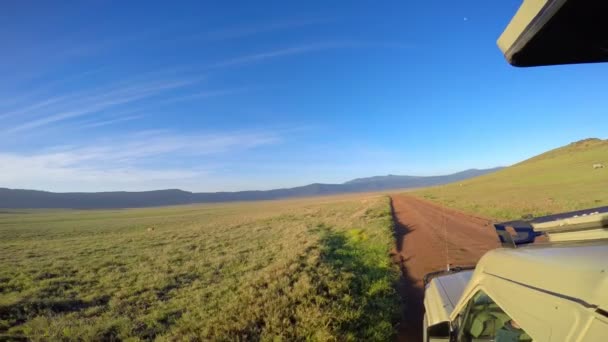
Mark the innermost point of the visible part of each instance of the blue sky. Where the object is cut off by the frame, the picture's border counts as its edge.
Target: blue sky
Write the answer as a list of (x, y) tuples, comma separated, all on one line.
[(203, 96)]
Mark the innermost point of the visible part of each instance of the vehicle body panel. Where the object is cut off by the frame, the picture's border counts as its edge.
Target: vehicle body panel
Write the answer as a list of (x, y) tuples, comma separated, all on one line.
[(574, 270), (442, 295), (555, 292)]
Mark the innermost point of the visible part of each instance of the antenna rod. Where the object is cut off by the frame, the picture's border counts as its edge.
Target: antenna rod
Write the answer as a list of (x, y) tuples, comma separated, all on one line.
[(445, 231)]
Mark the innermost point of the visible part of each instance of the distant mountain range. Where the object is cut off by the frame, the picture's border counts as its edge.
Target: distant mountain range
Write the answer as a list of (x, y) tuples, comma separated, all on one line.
[(18, 198)]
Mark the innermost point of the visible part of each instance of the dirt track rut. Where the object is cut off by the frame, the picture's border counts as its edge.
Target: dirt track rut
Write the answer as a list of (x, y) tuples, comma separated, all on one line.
[(420, 232)]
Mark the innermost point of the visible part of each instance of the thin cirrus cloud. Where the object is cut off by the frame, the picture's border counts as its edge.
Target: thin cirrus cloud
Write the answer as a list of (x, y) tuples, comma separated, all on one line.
[(36, 106), (302, 49), (258, 57), (242, 32), (132, 162), (69, 107), (154, 144), (75, 45), (110, 121), (188, 97), (48, 87), (58, 173), (204, 94), (80, 85), (65, 107)]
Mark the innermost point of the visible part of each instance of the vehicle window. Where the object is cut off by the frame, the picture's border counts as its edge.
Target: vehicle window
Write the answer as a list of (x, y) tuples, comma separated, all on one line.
[(484, 320)]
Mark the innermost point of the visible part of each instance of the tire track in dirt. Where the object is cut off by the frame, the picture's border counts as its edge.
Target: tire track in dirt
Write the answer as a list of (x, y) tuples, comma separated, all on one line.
[(420, 234)]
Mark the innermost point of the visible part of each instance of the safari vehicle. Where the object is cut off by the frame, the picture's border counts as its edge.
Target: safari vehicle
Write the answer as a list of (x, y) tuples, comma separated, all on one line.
[(551, 291), (526, 291)]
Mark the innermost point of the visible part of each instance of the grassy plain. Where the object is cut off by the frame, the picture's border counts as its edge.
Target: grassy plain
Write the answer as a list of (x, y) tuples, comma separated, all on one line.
[(560, 180), (313, 269)]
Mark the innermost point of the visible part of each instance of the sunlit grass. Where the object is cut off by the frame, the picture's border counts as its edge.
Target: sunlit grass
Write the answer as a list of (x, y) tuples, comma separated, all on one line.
[(315, 269), (560, 180)]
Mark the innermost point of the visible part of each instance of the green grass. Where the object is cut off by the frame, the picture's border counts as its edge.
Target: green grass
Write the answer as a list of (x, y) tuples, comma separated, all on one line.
[(315, 269), (559, 180)]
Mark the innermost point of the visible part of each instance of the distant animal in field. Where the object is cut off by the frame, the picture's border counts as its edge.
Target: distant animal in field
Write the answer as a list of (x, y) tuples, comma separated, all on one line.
[(150, 229), (598, 166)]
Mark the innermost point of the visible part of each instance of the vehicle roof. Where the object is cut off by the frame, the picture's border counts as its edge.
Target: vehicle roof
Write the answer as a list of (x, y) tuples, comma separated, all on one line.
[(574, 271), (546, 32)]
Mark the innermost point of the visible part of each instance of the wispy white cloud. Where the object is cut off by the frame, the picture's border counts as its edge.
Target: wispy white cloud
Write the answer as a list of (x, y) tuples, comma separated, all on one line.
[(72, 106), (60, 172), (302, 49), (93, 47), (133, 162), (23, 66), (40, 113), (110, 121), (242, 32), (36, 106), (253, 58), (205, 94), (139, 146), (38, 90)]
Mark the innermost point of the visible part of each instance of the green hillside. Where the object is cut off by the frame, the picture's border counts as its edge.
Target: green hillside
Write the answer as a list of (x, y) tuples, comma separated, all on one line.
[(562, 179)]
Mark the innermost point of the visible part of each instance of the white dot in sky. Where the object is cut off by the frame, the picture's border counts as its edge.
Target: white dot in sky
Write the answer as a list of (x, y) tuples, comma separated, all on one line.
[(465, 18)]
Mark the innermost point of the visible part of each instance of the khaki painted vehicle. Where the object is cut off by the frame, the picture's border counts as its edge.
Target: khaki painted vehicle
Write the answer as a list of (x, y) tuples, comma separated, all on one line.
[(557, 289)]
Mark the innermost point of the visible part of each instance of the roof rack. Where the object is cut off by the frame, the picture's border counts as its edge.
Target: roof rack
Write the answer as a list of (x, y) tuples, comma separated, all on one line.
[(588, 224)]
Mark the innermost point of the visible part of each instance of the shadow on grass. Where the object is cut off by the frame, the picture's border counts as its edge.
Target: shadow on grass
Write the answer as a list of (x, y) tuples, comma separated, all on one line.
[(412, 295), (369, 298), (25, 309)]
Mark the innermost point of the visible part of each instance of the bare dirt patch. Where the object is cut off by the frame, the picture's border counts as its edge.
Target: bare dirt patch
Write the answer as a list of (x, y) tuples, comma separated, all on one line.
[(420, 232)]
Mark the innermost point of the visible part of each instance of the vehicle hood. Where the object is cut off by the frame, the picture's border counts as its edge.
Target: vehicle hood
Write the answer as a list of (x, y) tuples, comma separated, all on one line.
[(441, 295)]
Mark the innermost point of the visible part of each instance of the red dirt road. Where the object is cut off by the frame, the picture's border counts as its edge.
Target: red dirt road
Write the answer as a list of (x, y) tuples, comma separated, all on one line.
[(420, 233)]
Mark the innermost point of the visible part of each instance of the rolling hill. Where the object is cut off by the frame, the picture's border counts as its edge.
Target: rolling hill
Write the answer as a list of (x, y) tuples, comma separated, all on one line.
[(559, 180), (396, 182), (18, 198)]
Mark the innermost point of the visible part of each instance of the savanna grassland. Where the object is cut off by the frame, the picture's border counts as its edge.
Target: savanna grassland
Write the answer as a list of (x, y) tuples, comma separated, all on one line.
[(560, 180), (313, 269)]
